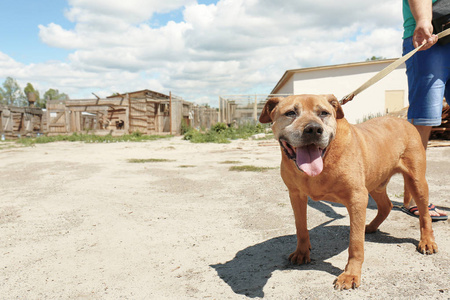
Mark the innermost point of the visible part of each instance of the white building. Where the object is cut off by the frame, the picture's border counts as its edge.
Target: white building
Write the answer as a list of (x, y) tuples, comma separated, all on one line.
[(387, 95)]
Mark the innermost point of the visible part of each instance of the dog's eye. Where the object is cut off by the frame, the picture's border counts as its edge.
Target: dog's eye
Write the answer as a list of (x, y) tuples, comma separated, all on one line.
[(324, 113), (290, 113)]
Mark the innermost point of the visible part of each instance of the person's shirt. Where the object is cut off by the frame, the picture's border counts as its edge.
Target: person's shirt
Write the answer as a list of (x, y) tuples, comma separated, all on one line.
[(409, 24)]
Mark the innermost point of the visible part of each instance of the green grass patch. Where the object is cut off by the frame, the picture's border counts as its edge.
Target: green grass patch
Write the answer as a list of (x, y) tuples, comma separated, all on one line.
[(147, 160), (186, 166), (249, 168), (401, 195), (368, 117), (230, 162), (269, 136), (222, 134), (91, 138), (8, 145)]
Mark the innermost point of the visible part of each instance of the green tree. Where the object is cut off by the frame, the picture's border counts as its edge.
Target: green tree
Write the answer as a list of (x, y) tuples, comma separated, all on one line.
[(41, 102), (375, 58), (12, 94), (53, 94), (30, 89)]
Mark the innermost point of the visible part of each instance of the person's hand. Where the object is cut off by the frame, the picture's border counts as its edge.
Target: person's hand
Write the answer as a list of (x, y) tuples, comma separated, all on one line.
[(423, 34)]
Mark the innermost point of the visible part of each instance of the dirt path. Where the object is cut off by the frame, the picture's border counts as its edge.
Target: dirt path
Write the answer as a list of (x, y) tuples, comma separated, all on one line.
[(80, 221)]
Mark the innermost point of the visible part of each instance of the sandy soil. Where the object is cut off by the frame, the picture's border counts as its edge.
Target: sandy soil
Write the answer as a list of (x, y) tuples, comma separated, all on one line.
[(80, 221)]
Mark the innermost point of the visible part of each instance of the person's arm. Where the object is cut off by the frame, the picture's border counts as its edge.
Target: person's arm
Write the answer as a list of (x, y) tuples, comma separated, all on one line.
[(423, 13)]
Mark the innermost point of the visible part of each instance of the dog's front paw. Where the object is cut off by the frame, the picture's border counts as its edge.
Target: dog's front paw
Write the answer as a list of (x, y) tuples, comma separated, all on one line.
[(347, 281), (427, 247), (300, 256)]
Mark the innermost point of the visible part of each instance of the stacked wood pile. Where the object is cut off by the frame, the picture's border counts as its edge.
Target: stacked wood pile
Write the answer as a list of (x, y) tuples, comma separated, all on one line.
[(442, 132)]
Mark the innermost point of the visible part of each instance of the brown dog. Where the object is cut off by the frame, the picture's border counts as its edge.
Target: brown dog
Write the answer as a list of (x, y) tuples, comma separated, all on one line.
[(326, 158)]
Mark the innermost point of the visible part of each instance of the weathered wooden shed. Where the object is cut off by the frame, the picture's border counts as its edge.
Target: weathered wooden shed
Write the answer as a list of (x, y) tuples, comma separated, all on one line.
[(145, 111), (149, 111)]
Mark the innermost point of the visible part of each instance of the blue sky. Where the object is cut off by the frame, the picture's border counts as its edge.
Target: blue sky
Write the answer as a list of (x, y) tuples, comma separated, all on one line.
[(20, 20), (196, 49)]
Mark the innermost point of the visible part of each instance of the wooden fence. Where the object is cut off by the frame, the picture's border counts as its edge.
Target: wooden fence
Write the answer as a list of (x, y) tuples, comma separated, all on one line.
[(243, 108), (117, 116), (122, 115), (20, 121)]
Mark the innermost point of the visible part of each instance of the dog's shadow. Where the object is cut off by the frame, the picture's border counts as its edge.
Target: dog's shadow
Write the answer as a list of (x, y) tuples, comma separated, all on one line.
[(248, 272)]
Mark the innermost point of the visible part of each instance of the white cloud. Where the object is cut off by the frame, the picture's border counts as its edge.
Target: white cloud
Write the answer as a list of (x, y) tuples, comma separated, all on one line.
[(131, 11), (229, 47), (7, 65)]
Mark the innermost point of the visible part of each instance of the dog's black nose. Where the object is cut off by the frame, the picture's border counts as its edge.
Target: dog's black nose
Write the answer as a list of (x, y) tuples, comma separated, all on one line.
[(313, 129)]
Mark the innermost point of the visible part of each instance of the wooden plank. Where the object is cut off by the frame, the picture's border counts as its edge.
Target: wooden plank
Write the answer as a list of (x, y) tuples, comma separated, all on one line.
[(67, 119), (78, 121), (73, 126), (128, 112), (440, 129), (139, 119), (95, 102), (127, 123), (438, 143), (41, 124), (137, 110), (20, 128), (58, 117), (89, 108), (48, 121)]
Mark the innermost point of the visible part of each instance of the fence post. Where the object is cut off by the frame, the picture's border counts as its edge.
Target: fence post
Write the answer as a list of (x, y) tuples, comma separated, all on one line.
[(128, 115), (255, 109), (220, 108), (170, 112)]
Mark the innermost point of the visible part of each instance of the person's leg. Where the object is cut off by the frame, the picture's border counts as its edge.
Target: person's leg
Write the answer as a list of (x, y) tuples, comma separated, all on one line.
[(424, 132), (427, 77)]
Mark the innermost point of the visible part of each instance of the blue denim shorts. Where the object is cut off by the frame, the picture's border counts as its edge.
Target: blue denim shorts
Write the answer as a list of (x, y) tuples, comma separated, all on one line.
[(428, 83)]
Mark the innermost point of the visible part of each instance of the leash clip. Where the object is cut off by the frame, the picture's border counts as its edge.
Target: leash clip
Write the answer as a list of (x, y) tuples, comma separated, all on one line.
[(347, 98)]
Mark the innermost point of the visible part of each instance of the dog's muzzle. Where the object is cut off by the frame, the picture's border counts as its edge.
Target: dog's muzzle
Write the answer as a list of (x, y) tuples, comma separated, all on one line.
[(308, 156), (308, 159)]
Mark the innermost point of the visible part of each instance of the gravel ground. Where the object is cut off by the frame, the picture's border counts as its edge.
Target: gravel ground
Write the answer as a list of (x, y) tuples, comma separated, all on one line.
[(80, 221)]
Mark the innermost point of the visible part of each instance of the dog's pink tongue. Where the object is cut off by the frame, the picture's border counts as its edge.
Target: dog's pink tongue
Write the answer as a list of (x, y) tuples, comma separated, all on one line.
[(309, 160)]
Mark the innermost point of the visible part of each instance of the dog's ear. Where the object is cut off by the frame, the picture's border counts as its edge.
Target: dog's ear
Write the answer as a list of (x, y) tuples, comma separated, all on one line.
[(266, 113), (337, 106)]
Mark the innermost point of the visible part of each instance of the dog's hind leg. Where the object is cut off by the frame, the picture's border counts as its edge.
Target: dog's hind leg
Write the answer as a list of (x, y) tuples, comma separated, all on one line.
[(384, 206), (418, 187), (407, 196), (413, 170)]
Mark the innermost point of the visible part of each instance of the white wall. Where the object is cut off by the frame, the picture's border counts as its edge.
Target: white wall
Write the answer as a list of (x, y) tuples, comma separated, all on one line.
[(341, 81), (288, 87)]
